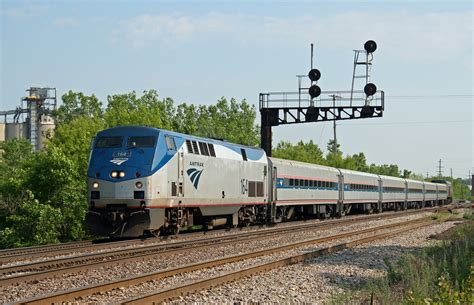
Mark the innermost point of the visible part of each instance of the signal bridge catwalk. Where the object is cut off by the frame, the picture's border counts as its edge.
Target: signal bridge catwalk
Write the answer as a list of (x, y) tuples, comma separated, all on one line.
[(282, 108)]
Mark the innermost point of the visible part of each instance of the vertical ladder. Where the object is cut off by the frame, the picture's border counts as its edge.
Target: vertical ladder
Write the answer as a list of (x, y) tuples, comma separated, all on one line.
[(367, 62), (34, 124)]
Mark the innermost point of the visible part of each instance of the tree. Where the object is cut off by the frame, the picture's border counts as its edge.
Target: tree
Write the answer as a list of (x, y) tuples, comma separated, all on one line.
[(304, 152), (77, 104), (74, 139), (146, 110), (334, 156)]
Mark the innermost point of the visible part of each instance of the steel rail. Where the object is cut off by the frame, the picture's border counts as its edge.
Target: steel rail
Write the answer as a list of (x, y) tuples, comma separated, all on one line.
[(172, 293), (17, 254), (51, 268), (89, 290), (5, 253), (42, 269)]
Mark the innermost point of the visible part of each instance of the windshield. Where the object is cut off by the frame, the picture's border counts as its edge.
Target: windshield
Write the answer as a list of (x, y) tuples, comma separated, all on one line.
[(109, 142), (148, 141)]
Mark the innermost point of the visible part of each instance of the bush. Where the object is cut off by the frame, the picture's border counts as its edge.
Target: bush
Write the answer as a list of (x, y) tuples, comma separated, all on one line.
[(442, 274), (32, 224)]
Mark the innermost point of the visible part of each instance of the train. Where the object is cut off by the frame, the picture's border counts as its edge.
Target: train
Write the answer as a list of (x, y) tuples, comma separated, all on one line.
[(149, 181)]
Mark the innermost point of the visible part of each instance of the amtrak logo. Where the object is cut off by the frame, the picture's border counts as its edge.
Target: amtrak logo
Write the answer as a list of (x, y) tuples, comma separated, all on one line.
[(194, 174), (119, 161)]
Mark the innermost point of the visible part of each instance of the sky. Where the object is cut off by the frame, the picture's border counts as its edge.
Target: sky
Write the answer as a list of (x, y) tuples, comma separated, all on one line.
[(199, 51)]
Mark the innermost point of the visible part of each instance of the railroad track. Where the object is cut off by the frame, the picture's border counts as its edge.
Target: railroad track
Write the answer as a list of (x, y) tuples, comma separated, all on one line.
[(30, 253), (59, 266), (7, 255), (374, 233)]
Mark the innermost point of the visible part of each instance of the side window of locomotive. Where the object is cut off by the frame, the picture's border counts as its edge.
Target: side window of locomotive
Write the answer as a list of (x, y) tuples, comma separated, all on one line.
[(189, 146), (141, 141), (252, 189), (109, 142), (204, 149), (195, 148), (212, 152), (244, 154), (285, 182), (170, 144), (292, 182), (259, 189)]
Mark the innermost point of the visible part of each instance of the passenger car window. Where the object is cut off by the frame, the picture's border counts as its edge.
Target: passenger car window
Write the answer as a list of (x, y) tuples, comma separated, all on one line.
[(109, 142), (141, 141)]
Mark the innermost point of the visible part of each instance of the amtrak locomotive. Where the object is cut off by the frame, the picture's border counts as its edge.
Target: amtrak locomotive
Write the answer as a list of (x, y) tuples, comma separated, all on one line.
[(144, 180)]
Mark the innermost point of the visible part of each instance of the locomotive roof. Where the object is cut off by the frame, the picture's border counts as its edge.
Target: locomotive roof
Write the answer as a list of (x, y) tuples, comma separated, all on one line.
[(117, 130)]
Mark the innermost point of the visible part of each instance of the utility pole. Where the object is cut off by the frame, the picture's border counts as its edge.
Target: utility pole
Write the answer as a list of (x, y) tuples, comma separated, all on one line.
[(451, 173), (469, 179), (334, 122), (439, 168)]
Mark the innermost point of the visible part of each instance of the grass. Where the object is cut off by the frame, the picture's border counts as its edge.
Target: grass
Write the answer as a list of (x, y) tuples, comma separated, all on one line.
[(441, 274)]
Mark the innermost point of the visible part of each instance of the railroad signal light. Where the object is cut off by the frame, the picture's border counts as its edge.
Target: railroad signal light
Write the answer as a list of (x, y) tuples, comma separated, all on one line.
[(314, 75), (367, 112), (370, 46), (314, 91), (312, 114), (370, 89)]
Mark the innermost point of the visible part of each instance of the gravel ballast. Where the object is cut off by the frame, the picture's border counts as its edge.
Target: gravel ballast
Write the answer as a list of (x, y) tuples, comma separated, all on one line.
[(318, 280), (12, 293)]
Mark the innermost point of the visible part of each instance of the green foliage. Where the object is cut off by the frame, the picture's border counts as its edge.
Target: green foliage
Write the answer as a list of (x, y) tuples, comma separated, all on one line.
[(74, 139), (461, 190), (232, 121), (442, 274), (304, 152), (42, 198), (78, 105), (311, 153), (146, 110)]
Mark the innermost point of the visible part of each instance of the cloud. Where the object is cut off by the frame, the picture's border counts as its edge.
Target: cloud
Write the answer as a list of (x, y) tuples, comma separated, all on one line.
[(65, 22), (405, 35)]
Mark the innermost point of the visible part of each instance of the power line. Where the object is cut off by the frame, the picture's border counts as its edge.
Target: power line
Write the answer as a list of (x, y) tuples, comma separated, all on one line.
[(432, 96), (411, 123)]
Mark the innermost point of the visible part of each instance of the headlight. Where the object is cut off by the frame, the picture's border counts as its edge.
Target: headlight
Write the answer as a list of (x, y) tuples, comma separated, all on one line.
[(139, 185), (95, 185), (122, 174), (114, 174)]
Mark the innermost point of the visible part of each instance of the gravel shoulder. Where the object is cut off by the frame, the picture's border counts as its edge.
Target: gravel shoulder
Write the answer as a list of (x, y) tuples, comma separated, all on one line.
[(318, 280)]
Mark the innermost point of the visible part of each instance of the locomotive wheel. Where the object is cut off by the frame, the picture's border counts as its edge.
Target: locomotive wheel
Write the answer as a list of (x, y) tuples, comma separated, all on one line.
[(173, 230), (155, 233)]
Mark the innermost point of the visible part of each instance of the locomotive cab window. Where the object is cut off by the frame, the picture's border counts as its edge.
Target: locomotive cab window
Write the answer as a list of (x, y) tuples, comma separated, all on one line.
[(109, 142), (244, 154), (170, 143), (141, 141)]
